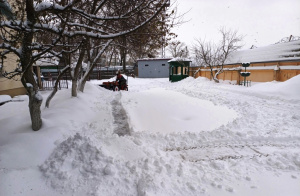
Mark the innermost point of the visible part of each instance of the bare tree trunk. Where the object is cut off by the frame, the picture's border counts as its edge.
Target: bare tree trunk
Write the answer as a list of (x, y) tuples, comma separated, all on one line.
[(35, 98), (111, 56), (91, 67), (212, 75), (75, 75), (28, 81), (123, 53), (35, 102), (218, 73), (74, 87), (82, 84), (56, 86)]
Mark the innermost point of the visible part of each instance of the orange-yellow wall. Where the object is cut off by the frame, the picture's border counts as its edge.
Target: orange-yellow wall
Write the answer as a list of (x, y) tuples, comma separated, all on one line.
[(14, 86), (260, 75)]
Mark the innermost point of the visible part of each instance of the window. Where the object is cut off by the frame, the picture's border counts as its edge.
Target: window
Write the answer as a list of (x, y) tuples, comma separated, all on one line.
[(163, 64), (146, 65)]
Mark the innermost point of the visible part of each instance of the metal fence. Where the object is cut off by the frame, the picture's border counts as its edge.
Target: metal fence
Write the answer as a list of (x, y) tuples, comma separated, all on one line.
[(49, 83), (245, 83), (48, 80), (50, 76)]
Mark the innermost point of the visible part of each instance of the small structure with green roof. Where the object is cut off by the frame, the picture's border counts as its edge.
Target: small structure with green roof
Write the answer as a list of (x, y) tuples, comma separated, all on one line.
[(179, 69)]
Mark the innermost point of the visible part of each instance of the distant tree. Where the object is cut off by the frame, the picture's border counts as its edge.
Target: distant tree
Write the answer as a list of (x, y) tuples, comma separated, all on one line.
[(129, 18), (152, 40), (214, 55), (178, 49), (146, 41)]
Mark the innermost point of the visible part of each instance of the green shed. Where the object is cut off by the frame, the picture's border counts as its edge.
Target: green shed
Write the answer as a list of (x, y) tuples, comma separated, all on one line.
[(179, 69)]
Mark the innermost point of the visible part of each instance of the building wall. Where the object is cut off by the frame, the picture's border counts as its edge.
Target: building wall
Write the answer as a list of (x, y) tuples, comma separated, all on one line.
[(14, 86), (155, 68), (260, 72), (287, 74)]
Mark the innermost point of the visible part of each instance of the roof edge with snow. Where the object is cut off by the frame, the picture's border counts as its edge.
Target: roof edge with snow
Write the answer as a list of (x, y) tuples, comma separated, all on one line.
[(289, 51), (154, 59)]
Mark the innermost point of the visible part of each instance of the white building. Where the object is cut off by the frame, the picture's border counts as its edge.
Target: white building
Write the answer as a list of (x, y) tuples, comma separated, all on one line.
[(153, 68)]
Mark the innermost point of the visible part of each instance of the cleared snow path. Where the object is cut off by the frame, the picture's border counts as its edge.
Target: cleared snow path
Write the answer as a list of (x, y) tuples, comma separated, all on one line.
[(120, 117), (150, 111)]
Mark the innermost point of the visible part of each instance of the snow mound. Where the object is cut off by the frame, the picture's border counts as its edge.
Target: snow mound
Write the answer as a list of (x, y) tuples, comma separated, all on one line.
[(79, 167), (74, 163), (288, 89)]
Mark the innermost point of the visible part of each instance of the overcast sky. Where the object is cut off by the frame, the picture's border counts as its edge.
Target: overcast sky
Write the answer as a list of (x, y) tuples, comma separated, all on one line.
[(263, 22)]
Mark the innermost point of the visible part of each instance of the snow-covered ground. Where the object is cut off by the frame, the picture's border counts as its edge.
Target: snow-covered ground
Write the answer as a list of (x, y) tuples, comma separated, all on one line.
[(192, 137)]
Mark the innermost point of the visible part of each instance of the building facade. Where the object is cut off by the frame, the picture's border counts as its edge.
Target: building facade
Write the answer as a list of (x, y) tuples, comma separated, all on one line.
[(153, 68), (14, 86)]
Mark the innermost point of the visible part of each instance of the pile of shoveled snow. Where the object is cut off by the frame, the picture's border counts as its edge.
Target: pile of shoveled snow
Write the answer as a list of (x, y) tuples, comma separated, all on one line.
[(287, 90), (79, 167), (77, 163)]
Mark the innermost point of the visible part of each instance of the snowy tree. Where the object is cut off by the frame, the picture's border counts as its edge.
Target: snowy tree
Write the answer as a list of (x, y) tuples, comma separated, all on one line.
[(6, 10), (62, 19), (129, 17), (178, 49), (145, 41), (214, 55)]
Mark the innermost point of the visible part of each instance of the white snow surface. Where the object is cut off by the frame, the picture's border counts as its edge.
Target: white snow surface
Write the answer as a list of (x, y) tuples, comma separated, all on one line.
[(275, 52), (192, 137), (5, 98)]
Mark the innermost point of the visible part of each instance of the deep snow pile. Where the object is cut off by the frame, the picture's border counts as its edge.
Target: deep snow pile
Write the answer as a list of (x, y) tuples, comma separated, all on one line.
[(193, 137)]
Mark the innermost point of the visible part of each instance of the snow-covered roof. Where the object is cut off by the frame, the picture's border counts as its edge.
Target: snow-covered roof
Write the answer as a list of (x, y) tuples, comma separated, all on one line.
[(276, 52), (178, 59), (153, 59)]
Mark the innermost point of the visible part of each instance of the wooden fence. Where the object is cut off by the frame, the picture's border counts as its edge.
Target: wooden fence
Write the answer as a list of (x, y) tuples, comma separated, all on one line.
[(260, 72)]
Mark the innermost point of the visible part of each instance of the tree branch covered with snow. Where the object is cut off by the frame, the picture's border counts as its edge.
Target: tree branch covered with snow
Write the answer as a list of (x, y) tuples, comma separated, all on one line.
[(43, 27)]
